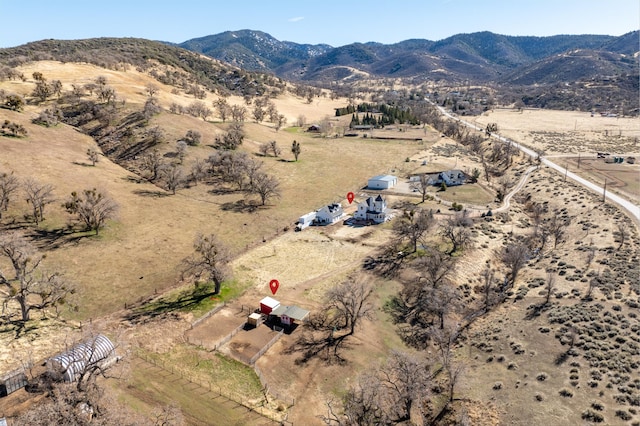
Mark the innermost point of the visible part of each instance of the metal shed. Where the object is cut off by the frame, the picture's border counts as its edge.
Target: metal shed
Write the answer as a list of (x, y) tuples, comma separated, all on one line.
[(12, 381), (382, 182), (97, 351)]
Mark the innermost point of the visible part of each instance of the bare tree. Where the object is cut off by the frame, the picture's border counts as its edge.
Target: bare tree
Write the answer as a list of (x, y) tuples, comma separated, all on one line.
[(31, 287), (488, 289), (264, 149), (456, 230), (153, 163), (258, 113), (39, 196), (392, 393), (421, 185), (223, 108), (9, 184), (413, 225), (210, 260), (435, 268), (514, 257), (266, 186), (233, 138), (622, 233), (198, 171), (93, 156), (280, 121), (557, 226), (151, 107), (173, 177), (193, 137), (155, 135), (275, 149), (351, 303), (295, 149), (593, 284), (181, 150), (238, 113), (151, 89), (549, 287), (92, 207)]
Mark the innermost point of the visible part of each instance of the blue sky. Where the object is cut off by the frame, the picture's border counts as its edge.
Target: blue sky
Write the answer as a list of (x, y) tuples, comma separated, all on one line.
[(327, 21)]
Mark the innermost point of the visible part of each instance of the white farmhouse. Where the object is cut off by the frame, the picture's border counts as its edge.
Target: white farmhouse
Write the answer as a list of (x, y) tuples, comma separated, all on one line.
[(330, 214), (371, 209), (382, 182)]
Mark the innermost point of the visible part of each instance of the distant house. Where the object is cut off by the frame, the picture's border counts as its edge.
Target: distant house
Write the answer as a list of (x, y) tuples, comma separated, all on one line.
[(314, 128), (382, 182), (371, 209), (329, 214), (449, 177)]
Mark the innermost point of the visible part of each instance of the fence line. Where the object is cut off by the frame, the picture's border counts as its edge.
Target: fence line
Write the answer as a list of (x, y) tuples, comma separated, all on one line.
[(227, 337), (219, 391), (287, 399), (208, 314), (266, 347)]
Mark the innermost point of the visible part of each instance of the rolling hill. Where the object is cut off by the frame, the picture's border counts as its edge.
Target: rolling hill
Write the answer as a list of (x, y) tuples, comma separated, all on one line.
[(480, 57)]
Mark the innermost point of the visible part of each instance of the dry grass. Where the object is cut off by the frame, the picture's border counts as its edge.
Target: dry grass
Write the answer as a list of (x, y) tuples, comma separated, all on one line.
[(139, 253)]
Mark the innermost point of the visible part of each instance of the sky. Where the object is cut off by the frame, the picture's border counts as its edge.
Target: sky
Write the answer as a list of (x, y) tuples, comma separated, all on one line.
[(332, 22)]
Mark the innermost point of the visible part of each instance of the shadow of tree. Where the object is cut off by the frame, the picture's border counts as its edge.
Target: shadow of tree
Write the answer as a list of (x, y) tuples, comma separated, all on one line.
[(320, 341), (240, 206), (56, 238), (153, 194), (168, 305)]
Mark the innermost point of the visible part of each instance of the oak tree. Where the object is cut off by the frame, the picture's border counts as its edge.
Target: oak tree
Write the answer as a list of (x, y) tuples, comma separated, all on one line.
[(210, 261), (92, 208), (28, 284), (39, 196)]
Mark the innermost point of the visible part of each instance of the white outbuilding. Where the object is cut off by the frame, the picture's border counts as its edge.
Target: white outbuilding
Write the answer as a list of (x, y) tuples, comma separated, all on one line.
[(382, 182)]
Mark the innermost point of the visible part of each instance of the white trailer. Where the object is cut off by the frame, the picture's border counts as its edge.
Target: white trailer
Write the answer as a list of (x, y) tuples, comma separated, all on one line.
[(305, 221)]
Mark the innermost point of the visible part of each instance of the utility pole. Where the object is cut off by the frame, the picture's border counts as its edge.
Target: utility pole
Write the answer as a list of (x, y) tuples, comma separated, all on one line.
[(566, 169), (604, 193), (578, 161)]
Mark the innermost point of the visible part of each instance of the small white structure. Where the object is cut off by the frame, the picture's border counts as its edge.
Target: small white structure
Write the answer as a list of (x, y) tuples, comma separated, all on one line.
[(305, 221), (382, 182), (254, 319), (268, 304), (96, 352), (371, 209), (330, 214)]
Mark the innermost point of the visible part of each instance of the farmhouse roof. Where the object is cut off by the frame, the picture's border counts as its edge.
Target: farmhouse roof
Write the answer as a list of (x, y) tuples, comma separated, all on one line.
[(294, 312), (270, 302), (387, 178)]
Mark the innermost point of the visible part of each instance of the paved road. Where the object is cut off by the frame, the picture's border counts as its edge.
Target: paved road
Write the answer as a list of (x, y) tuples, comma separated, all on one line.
[(633, 209)]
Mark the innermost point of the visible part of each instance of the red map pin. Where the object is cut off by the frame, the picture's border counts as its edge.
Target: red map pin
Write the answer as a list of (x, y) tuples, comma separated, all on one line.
[(273, 285), (350, 197)]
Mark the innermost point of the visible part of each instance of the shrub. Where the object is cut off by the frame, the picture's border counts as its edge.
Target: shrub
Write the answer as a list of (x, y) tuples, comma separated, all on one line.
[(598, 406), (623, 415), (497, 386), (592, 416), (542, 377), (566, 393)]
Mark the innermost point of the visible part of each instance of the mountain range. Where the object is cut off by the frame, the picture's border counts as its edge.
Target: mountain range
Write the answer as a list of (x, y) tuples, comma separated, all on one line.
[(478, 57)]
